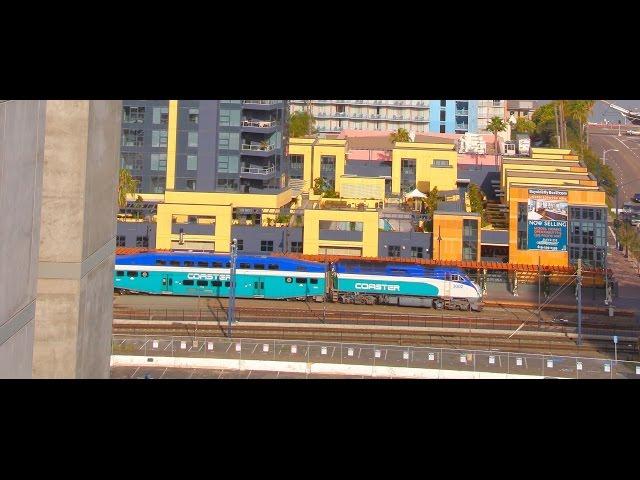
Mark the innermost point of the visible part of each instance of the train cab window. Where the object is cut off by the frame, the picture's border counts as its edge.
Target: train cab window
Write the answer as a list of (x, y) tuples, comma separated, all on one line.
[(258, 266), (245, 265), (216, 283), (301, 280), (160, 262), (187, 282), (301, 269), (188, 263), (216, 265), (273, 267), (174, 263), (313, 281), (227, 284), (455, 277), (202, 283), (132, 274), (120, 273), (203, 264)]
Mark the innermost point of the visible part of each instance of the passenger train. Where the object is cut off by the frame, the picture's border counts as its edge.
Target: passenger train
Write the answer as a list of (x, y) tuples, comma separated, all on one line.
[(272, 277)]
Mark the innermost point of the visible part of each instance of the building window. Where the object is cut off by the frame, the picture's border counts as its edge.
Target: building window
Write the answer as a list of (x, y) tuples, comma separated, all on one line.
[(120, 241), (159, 162), (192, 162), (159, 138), (229, 118), (497, 103), (132, 114), (228, 163), (132, 161), (470, 239), (393, 250), (191, 184), (229, 141), (142, 241), (194, 115), (158, 184), (440, 163), (443, 103), (443, 115), (160, 115), (522, 226), (407, 174), (296, 247), (296, 164), (240, 244), (132, 138), (192, 139), (416, 252), (227, 184), (443, 129), (266, 246)]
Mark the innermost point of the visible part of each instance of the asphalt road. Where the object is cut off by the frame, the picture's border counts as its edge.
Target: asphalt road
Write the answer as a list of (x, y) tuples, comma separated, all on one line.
[(625, 162)]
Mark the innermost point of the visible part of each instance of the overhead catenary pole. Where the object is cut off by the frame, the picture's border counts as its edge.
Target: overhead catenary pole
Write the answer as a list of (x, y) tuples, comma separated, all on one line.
[(232, 286)]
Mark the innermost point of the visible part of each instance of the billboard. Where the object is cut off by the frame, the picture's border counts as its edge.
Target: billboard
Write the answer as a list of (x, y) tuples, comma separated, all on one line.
[(547, 219)]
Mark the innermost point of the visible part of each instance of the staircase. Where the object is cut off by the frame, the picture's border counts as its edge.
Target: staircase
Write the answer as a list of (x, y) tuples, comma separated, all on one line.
[(498, 215), (296, 185)]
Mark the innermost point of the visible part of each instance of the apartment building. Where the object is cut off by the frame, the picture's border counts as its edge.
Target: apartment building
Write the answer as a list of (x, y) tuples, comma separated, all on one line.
[(421, 116)]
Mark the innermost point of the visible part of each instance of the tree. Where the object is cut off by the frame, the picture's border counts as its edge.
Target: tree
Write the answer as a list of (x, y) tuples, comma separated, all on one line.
[(400, 135), (496, 125), (432, 201), (476, 199), (301, 124), (320, 186), (628, 237), (524, 125), (126, 186)]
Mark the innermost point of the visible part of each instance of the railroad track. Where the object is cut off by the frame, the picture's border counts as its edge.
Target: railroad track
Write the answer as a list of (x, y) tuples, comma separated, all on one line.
[(543, 342), (342, 317)]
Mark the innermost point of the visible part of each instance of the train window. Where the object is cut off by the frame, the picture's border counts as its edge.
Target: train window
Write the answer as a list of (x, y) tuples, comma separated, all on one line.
[(301, 269), (216, 265), (216, 283), (132, 274), (145, 274), (187, 282), (455, 278), (120, 273), (174, 263), (313, 280), (188, 263), (244, 265), (160, 262), (227, 284), (164, 281), (258, 266), (301, 280), (170, 281), (273, 267), (203, 264), (228, 265), (202, 283)]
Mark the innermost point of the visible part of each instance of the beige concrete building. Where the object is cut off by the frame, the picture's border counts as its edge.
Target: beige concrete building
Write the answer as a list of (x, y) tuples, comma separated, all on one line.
[(58, 164)]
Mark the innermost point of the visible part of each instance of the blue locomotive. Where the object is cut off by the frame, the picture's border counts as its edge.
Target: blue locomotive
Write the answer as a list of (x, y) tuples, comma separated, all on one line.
[(273, 277)]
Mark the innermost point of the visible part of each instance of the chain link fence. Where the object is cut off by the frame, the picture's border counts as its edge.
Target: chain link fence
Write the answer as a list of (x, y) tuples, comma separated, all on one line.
[(319, 352)]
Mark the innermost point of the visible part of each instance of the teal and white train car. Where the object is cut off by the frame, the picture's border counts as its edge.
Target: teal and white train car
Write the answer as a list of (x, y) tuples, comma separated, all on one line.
[(405, 284), (207, 275)]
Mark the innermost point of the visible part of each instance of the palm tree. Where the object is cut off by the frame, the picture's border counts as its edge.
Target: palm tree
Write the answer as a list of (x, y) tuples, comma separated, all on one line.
[(496, 125), (401, 135), (301, 124), (127, 185), (579, 110)]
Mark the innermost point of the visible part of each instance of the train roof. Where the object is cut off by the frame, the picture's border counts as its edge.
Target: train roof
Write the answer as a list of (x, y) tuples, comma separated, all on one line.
[(150, 258), (398, 269)]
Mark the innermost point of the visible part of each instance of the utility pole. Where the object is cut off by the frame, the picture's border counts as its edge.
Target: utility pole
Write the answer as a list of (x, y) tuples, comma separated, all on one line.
[(539, 292), (557, 119), (579, 294), (231, 308)]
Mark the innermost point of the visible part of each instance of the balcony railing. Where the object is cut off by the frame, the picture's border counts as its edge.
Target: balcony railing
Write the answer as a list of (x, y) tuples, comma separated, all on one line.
[(258, 123), (462, 126), (462, 112), (264, 148), (261, 102), (259, 170)]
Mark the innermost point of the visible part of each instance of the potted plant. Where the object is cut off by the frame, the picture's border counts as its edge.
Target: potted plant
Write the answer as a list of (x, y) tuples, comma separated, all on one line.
[(264, 145)]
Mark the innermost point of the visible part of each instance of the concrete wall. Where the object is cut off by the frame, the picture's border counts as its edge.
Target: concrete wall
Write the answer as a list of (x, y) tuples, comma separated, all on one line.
[(22, 125), (77, 242)]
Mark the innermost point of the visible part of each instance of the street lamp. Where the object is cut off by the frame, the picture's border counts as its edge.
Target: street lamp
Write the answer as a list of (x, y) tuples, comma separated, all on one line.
[(604, 154)]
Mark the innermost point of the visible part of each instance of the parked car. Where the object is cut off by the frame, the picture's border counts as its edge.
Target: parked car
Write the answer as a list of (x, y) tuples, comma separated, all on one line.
[(636, 197)]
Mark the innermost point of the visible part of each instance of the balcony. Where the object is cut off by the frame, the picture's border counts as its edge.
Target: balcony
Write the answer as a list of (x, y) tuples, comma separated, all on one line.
[(257, 149), (341, 235), (262, 104), (259, 126), (462, 112), (258, 173)]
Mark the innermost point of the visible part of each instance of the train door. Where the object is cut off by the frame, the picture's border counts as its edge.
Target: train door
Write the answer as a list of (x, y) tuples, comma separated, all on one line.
[(167, 284), (258, 287)]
